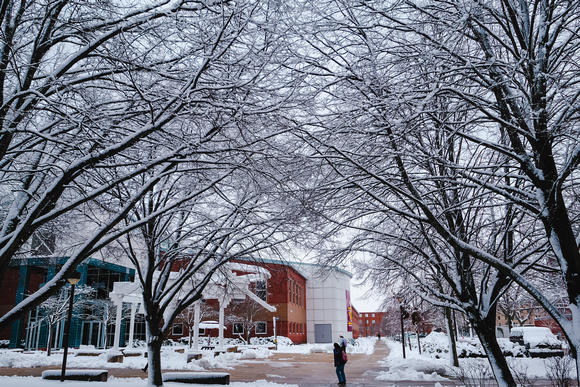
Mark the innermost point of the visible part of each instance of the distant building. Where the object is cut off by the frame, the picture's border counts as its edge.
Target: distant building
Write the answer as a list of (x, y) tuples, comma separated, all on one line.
[(532, 315), (355, 324), (313, 305), (25, 276), (371, 323)]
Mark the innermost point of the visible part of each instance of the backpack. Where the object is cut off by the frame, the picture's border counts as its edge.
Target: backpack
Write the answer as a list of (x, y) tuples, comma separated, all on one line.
[(344, 357)]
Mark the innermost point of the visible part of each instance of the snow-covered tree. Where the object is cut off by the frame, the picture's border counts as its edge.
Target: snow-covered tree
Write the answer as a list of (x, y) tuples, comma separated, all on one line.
[(54, 310), (187, 318), (449, 134), (103, 311), (246, 313), (99, 96)]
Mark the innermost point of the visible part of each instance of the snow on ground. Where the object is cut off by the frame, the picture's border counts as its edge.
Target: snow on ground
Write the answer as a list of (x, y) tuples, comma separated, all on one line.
[(431, 366), (14, 381), (434, 364)]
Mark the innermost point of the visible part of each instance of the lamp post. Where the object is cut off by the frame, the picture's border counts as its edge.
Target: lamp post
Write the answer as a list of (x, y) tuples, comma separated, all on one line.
[(401, 312), (73, 279), (274, 319)]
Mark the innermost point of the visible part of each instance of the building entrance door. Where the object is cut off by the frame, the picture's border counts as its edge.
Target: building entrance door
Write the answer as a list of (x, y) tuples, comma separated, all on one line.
[(323, 333)]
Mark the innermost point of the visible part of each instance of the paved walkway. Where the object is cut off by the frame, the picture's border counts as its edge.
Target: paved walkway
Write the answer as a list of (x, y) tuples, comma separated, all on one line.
[(315, 369), (311, 370)]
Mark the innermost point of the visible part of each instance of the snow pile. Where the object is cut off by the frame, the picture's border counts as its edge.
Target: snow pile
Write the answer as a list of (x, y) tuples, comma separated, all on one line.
[(28, 381), (255, 353), (434, 362), (413, 367), (364, 345), (436, 345), (282, 341)]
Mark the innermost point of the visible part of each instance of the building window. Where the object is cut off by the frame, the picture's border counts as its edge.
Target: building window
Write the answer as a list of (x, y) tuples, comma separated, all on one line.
[(238, 328), (262, 290), (260, 328), (372, 315), (177, 329)]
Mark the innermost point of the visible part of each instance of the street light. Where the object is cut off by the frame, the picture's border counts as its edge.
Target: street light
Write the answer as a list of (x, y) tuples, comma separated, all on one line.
[(401, 312), (274, 319), (73, 279)]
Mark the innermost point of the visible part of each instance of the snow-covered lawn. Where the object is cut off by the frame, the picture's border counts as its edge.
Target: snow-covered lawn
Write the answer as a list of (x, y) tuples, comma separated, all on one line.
[(431, 366), (434, 365)]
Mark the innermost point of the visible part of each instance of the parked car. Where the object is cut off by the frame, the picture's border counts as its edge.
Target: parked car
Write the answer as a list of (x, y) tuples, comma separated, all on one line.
[(538, 341)]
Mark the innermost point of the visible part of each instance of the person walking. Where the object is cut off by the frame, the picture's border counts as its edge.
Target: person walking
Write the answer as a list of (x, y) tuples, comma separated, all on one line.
[(340, 360), (342, 342)]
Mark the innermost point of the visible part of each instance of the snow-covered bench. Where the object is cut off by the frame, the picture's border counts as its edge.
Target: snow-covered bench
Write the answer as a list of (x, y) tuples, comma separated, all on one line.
[(193, 356), (85, 375), (197, 377), (129, 352)]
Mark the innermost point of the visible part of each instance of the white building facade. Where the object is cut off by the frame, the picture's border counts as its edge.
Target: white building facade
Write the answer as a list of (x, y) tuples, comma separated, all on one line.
[(328, 304)]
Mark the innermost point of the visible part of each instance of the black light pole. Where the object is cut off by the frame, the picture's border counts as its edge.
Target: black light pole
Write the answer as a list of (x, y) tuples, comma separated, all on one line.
[(73, 279), (401, 312)]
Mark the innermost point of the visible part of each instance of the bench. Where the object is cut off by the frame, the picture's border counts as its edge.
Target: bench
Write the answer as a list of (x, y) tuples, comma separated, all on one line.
[(132, 353), (82, 375), (114, 358), (197, 377), (193, 356), (81, 352), (207, 347)]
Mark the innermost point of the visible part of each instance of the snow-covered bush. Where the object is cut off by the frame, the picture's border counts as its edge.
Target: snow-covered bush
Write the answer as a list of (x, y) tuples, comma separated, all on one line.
[(282, 340), (474, 374), (560, 371), (511, 349), (436, 345)]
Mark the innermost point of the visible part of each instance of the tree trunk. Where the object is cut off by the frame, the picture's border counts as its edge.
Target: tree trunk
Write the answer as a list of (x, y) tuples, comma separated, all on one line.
[(49, 340), (154, 359), (418, 341), (485, 329), (454, 360)]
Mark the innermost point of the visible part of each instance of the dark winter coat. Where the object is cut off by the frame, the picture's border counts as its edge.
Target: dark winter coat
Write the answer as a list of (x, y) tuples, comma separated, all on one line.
[(338, 357)]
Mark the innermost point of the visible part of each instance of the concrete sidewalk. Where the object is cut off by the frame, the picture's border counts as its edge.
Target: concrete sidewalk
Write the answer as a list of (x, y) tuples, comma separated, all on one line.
[(315, 369)]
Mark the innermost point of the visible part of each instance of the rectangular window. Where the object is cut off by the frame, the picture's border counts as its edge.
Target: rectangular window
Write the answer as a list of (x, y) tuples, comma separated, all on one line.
[(238, 328), (177, 329), (261, 328), (262, 290)]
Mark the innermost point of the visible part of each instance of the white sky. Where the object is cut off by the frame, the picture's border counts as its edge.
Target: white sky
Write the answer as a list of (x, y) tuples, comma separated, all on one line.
[(361, 301)]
